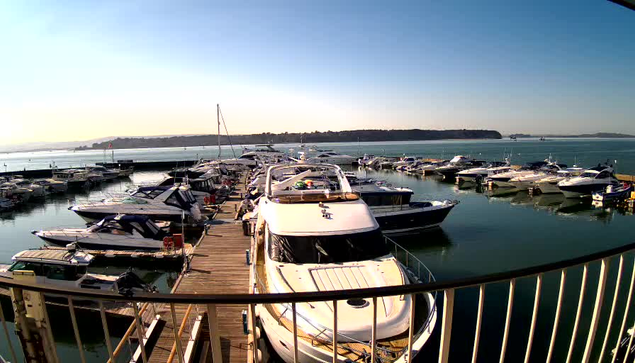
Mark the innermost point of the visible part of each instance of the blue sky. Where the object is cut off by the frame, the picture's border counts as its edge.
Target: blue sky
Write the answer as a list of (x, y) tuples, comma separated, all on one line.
[(74, 70)]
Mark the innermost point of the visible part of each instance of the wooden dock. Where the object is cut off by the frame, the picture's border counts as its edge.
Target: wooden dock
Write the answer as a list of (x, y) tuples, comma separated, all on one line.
[(218, 266)]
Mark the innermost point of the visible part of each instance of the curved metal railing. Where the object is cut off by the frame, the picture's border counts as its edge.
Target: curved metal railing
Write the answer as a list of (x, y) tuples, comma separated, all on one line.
[(448, 289)]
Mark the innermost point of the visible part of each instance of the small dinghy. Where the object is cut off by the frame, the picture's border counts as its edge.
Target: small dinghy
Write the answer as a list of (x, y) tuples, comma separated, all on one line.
[(612, 193), (120, 232)]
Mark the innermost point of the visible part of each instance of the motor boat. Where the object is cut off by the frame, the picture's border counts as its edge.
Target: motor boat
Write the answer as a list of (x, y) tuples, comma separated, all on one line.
[(313, 234), (455, 165), (37, 190), (481, 173), (249, 157), (6, 204), (429, 168), (14, 192), (613, 193), (158, 203), (396, 214), (68, 268), (592, 180), (121, 232), (527, 181), (331, 157), (549, 184), (52, 186), (404, 162), (363, 161), (105, 173), (74, 178), (501, 180)]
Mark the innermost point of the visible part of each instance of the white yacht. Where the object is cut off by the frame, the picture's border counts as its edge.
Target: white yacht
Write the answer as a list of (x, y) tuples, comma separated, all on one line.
[(74, 178), (250, 157), (493, 168), (592, 180), (397, 214), (549, 184), (158, 203), (330, 157), (313, 234), (502, 180), (120, 232), (37, 190), (52, 186), (526, 181)]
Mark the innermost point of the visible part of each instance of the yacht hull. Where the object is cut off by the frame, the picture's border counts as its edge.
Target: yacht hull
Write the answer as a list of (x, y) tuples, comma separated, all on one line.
[(412, 218), (102, 244), (281, 339), (582, 190), (91, 216)]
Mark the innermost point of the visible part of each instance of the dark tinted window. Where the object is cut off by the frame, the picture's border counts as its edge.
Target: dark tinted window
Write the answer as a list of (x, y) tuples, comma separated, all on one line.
[(327, 249)]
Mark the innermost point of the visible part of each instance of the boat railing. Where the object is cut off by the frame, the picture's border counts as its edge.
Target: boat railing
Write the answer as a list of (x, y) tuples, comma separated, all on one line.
[(600, 334)]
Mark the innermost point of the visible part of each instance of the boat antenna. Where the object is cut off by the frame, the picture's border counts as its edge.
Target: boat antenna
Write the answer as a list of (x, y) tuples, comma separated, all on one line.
[(218, 121), (227, 132)]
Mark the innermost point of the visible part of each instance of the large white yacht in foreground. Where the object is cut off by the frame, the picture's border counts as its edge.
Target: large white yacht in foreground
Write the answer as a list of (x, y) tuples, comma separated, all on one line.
[(314, 234)]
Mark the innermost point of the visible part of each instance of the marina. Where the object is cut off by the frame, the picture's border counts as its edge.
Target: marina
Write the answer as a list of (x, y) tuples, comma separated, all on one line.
[(217, 263)]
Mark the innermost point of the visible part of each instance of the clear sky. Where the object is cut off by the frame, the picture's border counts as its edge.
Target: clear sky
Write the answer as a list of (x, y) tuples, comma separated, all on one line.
[(77, 70)]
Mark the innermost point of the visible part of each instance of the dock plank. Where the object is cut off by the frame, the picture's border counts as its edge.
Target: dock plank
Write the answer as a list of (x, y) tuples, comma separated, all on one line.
[(218, 266)]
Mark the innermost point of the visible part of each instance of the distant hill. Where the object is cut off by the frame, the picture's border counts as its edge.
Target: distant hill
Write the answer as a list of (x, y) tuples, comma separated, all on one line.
[(311, 137), (607, 135)]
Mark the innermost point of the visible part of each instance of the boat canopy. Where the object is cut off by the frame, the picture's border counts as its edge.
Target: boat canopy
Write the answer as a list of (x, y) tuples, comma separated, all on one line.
[(128, 223), (54, 257)]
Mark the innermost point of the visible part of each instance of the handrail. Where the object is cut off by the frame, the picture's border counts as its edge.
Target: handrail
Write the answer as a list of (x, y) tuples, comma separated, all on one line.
[(322, 296)]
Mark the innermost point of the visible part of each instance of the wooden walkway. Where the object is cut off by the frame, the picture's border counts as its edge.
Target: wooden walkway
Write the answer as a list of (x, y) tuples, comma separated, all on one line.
[(218, 266)]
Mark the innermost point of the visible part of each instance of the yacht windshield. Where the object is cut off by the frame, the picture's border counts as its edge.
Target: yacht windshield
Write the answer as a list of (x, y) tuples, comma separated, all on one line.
[(588, 175), (327, 249)]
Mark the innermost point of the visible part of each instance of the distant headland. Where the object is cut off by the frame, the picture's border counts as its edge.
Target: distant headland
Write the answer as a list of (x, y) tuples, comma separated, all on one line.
[(282, 138), (605, 135)]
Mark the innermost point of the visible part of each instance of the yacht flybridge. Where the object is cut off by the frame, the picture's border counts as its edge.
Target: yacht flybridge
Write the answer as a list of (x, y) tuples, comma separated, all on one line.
[(158, 203), (314, 234)]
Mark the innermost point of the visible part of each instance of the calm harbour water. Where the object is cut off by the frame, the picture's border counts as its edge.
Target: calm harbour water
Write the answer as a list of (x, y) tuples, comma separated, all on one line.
[(483, 234)]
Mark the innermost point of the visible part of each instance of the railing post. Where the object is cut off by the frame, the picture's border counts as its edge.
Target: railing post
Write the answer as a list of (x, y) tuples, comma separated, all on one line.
[(624, 318), (140, 336), (373, 338), (508, 318), (295, 333), (411, 327), (534, 317), (78, 339), (578, 312), (214, 337), (616, 293), (595, 320), (446, 325), (177, 336), (479, 321), (556, 319), (255, 338), (334, 331), (104, 324)]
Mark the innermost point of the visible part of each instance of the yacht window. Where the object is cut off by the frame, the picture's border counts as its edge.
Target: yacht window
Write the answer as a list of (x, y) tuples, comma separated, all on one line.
[(603, 175), (68, 273), (177, 200), (27, 266), (588, 175), (327, 249)]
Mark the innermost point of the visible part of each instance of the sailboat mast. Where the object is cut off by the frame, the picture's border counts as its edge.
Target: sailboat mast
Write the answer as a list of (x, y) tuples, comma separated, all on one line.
[(218, 121)]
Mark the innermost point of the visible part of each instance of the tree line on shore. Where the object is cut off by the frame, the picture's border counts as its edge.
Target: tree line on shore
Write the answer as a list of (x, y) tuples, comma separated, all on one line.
[(286, 137)]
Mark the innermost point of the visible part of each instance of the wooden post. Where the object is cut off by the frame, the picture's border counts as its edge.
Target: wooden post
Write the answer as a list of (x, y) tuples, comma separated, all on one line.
[(212, 320)]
